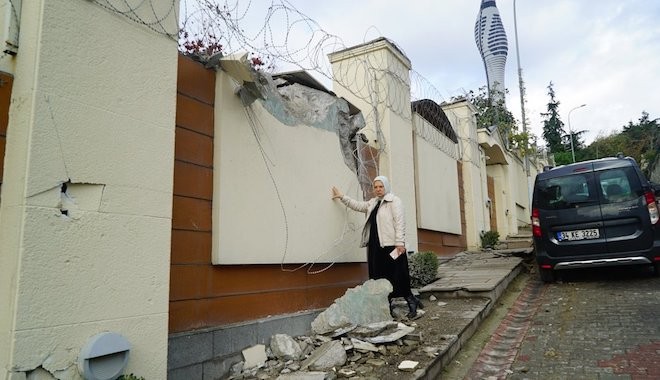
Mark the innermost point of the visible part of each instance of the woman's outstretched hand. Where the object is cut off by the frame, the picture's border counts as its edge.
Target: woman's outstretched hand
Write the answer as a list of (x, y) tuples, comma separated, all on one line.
[(336, 193)]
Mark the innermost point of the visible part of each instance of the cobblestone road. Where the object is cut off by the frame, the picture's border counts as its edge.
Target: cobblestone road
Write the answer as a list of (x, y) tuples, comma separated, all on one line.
[(601, 324)]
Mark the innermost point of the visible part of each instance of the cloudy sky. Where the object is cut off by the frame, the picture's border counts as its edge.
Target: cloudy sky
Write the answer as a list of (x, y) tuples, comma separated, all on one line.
[(603, 53)]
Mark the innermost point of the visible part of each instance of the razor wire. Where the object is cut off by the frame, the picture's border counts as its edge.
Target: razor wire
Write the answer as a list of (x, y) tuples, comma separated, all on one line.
[(280, 36)]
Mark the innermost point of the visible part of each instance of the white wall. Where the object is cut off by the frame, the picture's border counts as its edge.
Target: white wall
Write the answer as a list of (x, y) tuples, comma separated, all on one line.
[(436, 173), (95, 109), (475, 185), (272, 185)]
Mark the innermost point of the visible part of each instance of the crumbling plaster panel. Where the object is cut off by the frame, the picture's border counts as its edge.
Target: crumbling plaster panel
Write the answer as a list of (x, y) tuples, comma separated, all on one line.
[(263, 173)]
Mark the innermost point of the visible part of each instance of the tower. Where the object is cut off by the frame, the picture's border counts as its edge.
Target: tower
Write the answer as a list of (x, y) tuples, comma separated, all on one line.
[(491, 41)]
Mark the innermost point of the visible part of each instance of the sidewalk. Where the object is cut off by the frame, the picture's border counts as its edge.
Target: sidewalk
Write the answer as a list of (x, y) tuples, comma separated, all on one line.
[(468, 287)]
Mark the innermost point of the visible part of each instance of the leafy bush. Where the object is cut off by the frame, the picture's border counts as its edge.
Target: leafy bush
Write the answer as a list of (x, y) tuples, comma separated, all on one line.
[(489, 239), (423, 268)]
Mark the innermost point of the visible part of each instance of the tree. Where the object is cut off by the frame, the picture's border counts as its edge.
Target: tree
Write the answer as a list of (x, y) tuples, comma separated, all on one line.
[(639, 140), (643, 143), (553, 127), (494, 113)]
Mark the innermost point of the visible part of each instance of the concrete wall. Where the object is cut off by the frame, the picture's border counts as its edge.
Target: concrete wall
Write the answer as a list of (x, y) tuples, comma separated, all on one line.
[(472, 158), (94, 111), (436, 175)]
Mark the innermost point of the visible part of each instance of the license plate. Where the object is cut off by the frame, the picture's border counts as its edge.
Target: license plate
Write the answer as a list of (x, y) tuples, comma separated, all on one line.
[(578, 234)]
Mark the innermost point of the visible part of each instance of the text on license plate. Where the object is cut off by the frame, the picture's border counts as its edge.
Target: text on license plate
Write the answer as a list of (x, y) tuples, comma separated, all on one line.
[(578, 234)]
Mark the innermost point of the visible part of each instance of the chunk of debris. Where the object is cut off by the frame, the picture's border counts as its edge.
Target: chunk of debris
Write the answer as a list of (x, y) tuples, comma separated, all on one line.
[(363, 346), (329, 355), (393, 335), (285, 347), (302, 376), (364, 304), (255, 356), (408, 365)]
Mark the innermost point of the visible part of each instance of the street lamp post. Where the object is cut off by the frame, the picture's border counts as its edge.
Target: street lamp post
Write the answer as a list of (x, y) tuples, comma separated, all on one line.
[(570, 131)]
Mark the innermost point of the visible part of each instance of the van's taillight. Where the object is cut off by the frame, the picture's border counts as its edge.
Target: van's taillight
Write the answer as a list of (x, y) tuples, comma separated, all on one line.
[(652, 206), (546, 266), (536, 223)]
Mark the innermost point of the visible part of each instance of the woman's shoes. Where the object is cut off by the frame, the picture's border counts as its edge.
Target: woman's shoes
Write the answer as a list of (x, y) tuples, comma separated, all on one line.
[(413, 304)]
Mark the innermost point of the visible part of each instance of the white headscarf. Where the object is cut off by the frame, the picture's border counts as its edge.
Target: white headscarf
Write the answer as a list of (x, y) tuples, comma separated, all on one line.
[(385, 182)]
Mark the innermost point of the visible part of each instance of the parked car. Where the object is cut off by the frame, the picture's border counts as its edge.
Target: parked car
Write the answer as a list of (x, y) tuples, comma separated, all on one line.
[(593, 214)]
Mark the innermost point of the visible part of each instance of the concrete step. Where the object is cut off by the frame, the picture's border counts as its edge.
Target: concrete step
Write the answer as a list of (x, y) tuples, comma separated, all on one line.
[(516, 243), (520, 235)]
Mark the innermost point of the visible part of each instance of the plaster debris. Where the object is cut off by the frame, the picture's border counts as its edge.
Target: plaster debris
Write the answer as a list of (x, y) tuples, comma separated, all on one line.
[(357, 349), (329, 355), (363, 346), (285, 347), (408, 365), (303, 376), (361, 305), (255, 356)]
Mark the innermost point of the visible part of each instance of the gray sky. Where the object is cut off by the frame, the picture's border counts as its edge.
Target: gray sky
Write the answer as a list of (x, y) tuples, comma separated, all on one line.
[(603, 53)]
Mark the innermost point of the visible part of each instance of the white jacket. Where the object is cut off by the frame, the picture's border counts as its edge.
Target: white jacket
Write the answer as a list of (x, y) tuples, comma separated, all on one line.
[(389, 219)]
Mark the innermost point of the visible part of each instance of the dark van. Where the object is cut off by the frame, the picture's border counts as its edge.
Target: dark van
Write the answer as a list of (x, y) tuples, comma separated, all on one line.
[(592, 214)]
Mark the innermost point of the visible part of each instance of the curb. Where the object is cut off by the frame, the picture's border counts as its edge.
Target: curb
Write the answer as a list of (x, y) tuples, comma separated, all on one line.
[(434, 370)]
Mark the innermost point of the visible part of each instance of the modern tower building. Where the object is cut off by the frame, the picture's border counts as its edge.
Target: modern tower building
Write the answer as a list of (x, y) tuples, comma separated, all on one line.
[(492, 44)]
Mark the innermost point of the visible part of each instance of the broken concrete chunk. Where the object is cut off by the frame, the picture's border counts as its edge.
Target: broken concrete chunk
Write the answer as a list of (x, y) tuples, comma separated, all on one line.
[(362, 305), (400, 331), (374, 329), (285, 347), (408, 365), (255, 356), (346, 373), (302, 376), (363, 346), (326, 357)]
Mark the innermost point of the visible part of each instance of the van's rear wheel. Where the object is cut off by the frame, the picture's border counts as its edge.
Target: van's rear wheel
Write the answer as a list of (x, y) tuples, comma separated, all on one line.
[(656, 268), (547, 275)]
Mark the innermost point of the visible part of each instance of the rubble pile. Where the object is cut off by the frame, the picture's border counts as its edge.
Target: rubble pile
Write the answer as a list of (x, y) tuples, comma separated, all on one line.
[(354, 338)]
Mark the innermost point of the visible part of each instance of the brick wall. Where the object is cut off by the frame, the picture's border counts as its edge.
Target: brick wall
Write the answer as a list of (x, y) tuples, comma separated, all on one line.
[(6, 81)]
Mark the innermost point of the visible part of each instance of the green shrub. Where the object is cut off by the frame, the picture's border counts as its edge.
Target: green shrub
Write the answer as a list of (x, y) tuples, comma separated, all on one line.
[(489, 239), (423, 268)]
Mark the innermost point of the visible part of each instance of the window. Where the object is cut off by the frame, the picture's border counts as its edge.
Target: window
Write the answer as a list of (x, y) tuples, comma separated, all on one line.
[(619, 185), (565, 192)]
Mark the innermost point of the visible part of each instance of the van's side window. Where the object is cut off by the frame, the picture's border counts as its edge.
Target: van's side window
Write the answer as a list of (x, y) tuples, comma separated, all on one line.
[(619, 185)]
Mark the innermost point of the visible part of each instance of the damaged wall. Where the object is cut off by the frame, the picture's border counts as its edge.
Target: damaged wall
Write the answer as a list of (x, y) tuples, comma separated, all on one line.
[(275, 161), (209, 300), (87, 193)]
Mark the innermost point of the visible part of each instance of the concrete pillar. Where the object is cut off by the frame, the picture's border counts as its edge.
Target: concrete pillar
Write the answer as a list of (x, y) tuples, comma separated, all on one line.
[(85, 213), (375, 77)]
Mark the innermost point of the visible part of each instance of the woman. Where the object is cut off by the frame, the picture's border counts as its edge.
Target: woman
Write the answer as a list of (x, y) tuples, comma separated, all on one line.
[(384, 236)]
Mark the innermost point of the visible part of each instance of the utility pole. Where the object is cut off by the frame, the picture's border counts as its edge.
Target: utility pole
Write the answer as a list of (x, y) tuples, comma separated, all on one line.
[(521, 87), (570, 131)]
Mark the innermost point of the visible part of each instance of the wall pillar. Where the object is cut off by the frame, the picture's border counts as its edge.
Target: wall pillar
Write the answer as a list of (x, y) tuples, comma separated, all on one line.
[(85, 213)]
